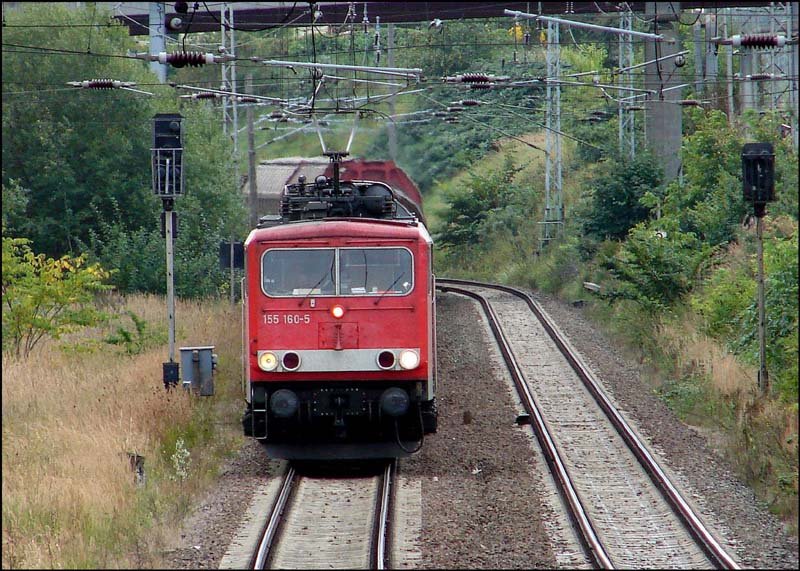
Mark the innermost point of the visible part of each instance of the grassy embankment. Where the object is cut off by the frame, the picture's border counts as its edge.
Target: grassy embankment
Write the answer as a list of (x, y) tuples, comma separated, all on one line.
[(707, 386), (70, 420)]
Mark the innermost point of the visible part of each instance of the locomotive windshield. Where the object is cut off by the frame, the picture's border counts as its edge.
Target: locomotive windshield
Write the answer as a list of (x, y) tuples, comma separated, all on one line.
[(371, 271), (337, 271), (300, 272)]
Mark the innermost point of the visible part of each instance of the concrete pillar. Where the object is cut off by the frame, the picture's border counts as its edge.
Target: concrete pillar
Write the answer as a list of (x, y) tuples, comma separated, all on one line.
[(711, 64), (747, 88), (158, 41), (663, 122)]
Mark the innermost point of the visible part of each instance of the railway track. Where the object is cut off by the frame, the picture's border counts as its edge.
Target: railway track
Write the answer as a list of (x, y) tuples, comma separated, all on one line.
[(627, 510), (321, 522)]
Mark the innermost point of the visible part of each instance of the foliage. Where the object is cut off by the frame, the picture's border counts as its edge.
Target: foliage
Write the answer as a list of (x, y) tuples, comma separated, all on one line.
[(72, 149), (655, 268), (727, 294), (15, 201), (781, 303), (181, 461), (767, 128), (708, 199), (141, 338), (489, 203), (83, 159), (582, 116), (616, 196), (44, 296)]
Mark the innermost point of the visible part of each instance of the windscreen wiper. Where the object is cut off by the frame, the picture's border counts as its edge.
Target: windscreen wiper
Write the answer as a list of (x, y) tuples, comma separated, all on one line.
[(316, 285), (388, 289)]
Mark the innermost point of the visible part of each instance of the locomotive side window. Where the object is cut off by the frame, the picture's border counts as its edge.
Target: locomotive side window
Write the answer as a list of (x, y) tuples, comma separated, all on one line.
[(299, 272), (375, 271)]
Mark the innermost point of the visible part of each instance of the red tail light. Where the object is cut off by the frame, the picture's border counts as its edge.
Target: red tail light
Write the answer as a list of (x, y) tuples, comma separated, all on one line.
[(291, 361), (386, 359)]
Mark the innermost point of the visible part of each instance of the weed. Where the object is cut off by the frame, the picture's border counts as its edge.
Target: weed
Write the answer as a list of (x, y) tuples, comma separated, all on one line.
[(181, 461), (141, 338)]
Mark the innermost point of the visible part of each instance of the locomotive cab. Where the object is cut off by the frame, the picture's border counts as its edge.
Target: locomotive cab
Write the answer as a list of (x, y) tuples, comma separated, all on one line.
[(339, 325)]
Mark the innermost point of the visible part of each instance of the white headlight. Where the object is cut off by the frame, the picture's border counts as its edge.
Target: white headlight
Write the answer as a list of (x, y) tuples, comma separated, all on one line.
[(267, 361), (409, 359)]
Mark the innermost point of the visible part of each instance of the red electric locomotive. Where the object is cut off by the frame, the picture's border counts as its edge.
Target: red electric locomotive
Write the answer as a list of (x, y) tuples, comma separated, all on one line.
[(339, 333)]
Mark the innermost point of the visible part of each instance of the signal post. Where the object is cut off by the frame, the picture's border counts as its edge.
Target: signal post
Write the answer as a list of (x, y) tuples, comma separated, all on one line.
[(758, 186), (168, 180)]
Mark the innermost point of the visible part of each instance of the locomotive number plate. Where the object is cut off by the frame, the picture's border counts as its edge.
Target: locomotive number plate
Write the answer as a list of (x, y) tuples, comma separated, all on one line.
[(287, 319)]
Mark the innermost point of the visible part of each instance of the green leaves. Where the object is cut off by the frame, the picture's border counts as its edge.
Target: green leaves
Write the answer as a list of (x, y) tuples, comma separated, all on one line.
[(138, 340), (46, 297), (656, 267), (83, 157), (488, 202), (616, 204)]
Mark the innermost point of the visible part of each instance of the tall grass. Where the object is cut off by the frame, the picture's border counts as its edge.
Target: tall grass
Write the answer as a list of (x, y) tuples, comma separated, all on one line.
[(709, 388), (71, 420)]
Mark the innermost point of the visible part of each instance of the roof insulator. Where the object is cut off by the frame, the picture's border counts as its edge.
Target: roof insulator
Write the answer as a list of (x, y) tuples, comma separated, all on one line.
[(101, 84), (758, 41), (474, 78), (181, 59)]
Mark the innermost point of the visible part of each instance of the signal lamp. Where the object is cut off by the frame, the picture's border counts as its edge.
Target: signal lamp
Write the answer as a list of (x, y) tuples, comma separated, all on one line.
[(409, 359), (386, 360), (337, 311), (758, 175), (267, 361), (291, 361)]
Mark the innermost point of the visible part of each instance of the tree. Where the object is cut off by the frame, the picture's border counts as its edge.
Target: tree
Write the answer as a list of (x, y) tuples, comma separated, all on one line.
[(211, 210), (44, 296), (72, 149), (472, 207), (83, 158), (655, 268), (15, 201), (708, 200), (617, 191)]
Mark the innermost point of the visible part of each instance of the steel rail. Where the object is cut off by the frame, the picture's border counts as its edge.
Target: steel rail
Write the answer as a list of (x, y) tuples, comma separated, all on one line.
[(379, 553), (264, 546), (589, 537), (698, 530)]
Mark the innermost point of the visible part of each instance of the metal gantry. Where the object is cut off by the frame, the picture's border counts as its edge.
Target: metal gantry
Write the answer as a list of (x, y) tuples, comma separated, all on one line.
[(230, 119), (553, 209), (627, 134), (777, 58)]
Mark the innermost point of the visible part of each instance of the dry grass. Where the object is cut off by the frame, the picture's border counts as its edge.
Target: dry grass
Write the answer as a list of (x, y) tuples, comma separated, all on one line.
[(758, 435), (69, 422), (696, 353)]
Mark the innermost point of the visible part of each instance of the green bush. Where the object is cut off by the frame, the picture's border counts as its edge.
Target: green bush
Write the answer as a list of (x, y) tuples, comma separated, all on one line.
[(617, 191), (655, 267), (46, 297), (141, 338)]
